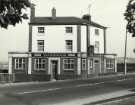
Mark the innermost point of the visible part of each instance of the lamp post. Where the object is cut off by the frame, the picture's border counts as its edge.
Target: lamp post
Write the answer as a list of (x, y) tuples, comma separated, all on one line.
[(125, 54)]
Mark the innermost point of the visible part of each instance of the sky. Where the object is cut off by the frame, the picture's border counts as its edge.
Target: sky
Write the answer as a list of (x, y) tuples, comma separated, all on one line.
[(106, 12)]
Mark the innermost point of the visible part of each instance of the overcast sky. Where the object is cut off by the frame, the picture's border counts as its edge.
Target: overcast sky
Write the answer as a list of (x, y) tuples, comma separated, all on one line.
[(105, 12)]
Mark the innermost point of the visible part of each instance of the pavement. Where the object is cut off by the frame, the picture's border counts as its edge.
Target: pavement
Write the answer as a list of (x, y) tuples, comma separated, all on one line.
[(68, 80), (68, 92), (4, 84)]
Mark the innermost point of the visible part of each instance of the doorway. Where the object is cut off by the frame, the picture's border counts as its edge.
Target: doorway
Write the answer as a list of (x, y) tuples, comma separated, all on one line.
[(97, 66), (54, 66)]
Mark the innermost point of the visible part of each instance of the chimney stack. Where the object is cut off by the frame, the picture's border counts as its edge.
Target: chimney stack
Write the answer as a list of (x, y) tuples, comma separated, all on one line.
[(32, 14), (53, 13)]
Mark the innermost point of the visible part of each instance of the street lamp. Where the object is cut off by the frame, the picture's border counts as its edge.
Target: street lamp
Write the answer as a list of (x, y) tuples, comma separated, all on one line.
[(125, 54)]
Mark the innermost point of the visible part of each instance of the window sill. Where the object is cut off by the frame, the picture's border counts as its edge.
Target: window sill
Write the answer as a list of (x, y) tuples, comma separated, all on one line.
[(109, 68), (68, 33), (40, 34), (69, 51), (40, 51), (20, 69), (68, 69), (39, 70), (84, 69)]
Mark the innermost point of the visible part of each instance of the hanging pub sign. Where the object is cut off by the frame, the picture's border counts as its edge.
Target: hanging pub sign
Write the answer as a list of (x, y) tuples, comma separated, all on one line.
[(54, 54)]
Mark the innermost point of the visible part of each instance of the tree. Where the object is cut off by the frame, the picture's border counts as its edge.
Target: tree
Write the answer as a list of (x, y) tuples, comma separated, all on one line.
[(11, 12), (130, 17)]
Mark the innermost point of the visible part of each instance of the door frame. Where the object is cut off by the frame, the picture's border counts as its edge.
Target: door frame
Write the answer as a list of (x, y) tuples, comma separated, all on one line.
[(50, 68), (99, 65), (88, 63)]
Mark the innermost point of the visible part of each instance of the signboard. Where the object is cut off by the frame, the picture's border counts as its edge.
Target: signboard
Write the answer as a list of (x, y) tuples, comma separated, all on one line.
[(54, 54), (134, 50), (84, 55)]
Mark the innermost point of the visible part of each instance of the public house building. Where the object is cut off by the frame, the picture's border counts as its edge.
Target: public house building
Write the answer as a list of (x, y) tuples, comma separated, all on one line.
[(62, 48)]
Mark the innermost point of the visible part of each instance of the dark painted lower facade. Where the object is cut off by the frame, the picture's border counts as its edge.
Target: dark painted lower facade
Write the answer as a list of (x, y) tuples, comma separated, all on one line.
[(58, 66)]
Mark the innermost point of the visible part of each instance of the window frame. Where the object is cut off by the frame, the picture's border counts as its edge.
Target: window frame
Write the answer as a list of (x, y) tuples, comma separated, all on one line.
[(69, 45), (91, 63), (109, 64), (97, 31), (96, 46), (40, 47), (90, 66), (84, 64), (69, 64), (40, 64), (20, 63), (69, 29), (41, 29)]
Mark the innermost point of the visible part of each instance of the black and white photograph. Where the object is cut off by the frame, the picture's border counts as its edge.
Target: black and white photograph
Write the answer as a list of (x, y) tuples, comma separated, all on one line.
[(67, 52)]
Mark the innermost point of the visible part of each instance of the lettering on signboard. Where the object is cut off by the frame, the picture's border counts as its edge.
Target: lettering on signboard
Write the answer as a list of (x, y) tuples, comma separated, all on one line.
[(53, 55)]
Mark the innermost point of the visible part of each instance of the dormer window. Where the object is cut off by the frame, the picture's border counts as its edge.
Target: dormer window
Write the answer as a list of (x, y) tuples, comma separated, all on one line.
[(41, 29), (69, 29), (96, 31)]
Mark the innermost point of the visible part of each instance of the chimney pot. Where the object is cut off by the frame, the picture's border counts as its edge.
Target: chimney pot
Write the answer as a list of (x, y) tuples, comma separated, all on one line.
[(53, 13)]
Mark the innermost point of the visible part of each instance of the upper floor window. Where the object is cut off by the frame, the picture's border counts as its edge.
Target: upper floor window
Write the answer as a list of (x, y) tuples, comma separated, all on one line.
[(40, 45), (96, 46), (41, 29), (69, 45), (69, 29), (39, 64), (20, 63), (96, 31)]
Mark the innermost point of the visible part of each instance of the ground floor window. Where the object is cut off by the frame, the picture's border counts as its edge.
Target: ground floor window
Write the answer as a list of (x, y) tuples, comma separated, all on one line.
[(109, 63), (90, 66), (83, 64), (91, 63), (20, 63), (39, 64), (69, 64)]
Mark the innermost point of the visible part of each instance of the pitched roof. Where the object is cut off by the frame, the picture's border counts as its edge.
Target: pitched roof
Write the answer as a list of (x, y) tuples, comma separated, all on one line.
[(62, 21), (97, 25)]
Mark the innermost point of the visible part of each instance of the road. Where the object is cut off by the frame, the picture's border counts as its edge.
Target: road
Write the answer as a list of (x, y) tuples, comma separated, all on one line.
[(76, 92)]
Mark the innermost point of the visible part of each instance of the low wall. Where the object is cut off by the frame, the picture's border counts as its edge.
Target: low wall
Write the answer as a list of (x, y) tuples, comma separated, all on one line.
[(130, 67), (5, 77)]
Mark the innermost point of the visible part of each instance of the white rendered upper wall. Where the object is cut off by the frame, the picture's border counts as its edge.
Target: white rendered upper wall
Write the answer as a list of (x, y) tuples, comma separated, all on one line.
[(54, 38), (99, 38)]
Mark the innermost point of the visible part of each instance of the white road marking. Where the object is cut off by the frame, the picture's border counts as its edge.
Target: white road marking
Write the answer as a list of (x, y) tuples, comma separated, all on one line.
[(124, 79), (92, 84), (98, 83), (38, 91), (81, 85), (121, 80)]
